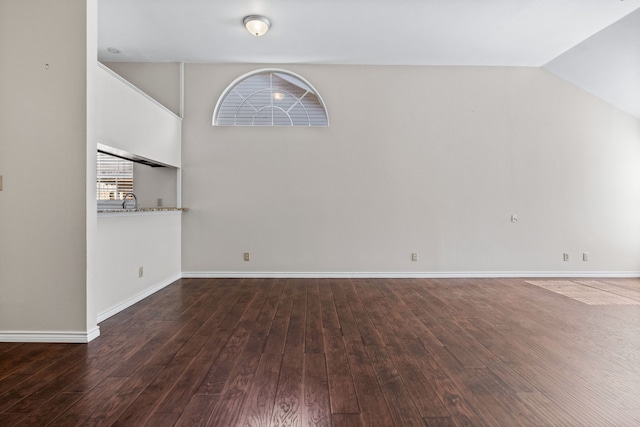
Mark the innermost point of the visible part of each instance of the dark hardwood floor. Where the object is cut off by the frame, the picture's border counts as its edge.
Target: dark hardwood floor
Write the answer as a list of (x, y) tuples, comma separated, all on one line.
[(320, 352)]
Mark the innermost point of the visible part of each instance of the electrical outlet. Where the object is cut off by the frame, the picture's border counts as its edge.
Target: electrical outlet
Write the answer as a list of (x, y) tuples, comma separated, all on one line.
[(140, 271), (565, 256), (246, 256), (414, 256), (585, 256), (159, 202)]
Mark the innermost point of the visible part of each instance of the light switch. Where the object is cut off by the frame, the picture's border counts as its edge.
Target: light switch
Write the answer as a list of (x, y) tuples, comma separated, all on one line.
[(0, 182)]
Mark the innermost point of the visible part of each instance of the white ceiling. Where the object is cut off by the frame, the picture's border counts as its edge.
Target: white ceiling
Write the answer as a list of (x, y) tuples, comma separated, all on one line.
[(398, 32), (607, 64)]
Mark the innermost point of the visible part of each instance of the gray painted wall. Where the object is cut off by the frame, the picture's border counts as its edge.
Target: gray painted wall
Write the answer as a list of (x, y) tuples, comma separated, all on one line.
[(432, 160), (46, 264)]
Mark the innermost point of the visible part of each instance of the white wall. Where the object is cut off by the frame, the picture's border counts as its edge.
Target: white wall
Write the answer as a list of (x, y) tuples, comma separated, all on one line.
[(161, 81), (151, 183), (431, 160), (91, 166), (130, 241), (45, 131), (128, 121)]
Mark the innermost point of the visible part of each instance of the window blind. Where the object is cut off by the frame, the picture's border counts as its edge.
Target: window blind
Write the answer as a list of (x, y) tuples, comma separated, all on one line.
[(269, 98), (114, 177)]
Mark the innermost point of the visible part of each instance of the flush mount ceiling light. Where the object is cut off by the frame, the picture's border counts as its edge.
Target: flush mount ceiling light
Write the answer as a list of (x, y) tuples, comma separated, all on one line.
[(256, 24)]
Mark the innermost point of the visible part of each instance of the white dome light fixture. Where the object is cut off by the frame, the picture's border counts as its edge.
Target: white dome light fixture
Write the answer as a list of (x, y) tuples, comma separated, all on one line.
[(256, 24)]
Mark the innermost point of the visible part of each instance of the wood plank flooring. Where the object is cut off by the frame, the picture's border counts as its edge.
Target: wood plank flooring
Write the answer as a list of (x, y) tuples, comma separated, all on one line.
[(341, 352)]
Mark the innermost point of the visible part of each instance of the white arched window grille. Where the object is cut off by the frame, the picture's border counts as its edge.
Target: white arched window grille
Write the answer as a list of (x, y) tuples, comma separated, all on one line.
[(270, 97)]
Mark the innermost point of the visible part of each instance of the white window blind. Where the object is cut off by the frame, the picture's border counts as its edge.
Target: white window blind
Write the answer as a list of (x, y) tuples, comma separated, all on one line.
[(270, 98), (114, 177)]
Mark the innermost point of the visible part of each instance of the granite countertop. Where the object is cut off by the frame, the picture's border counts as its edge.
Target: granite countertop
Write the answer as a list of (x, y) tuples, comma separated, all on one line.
[(142, 210)]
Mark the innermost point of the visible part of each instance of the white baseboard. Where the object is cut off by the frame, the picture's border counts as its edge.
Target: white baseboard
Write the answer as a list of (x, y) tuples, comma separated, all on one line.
[(50, 336), (136, 298), (405, 275)]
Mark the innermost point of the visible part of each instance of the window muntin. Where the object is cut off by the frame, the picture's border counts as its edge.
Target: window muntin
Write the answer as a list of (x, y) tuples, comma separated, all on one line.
[(270, 98)]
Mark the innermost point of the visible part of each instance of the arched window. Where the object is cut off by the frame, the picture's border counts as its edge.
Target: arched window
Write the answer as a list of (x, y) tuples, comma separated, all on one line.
[(270, 97)]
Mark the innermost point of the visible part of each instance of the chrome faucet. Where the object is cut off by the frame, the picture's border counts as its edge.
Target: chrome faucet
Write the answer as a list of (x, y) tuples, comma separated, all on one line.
[(125, 205)]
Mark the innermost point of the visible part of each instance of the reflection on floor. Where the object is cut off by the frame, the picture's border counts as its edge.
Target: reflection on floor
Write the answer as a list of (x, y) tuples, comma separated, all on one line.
[(593, 292)]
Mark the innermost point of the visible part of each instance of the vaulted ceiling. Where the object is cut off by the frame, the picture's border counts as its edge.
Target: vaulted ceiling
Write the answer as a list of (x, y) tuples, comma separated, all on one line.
[(594, 44)]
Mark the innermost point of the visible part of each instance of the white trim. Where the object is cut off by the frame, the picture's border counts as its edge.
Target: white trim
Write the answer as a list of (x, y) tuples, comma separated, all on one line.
[(405, 275), (137, 298), (137, 89), (50, 336)]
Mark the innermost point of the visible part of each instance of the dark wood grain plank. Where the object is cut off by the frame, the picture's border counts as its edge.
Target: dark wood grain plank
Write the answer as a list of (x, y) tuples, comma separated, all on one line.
[(463, 352), (213, 381), (10, 420), (156, 346), (351, 420), (372, 404), (313, 341), (327, 305), (198, 410), (258, 407), (235, 314), (287, 409), (317, 409), (420, 389), (33, 402), (369, 333), (142, 407), (90, 403), (399, 401), (439, 422), (220, 310), (32, 390), (227, 411), (6, 347), (115, 403), (267, 314), (296, 329), (387, 311), (348, 324), (248, 319), (341, 388), (278, 331), (186, 385), (447, 391), (40, 358), (162, 420)]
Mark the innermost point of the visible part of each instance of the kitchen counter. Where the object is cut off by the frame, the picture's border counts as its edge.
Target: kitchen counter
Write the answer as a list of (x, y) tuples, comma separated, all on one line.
[(141, 210)]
